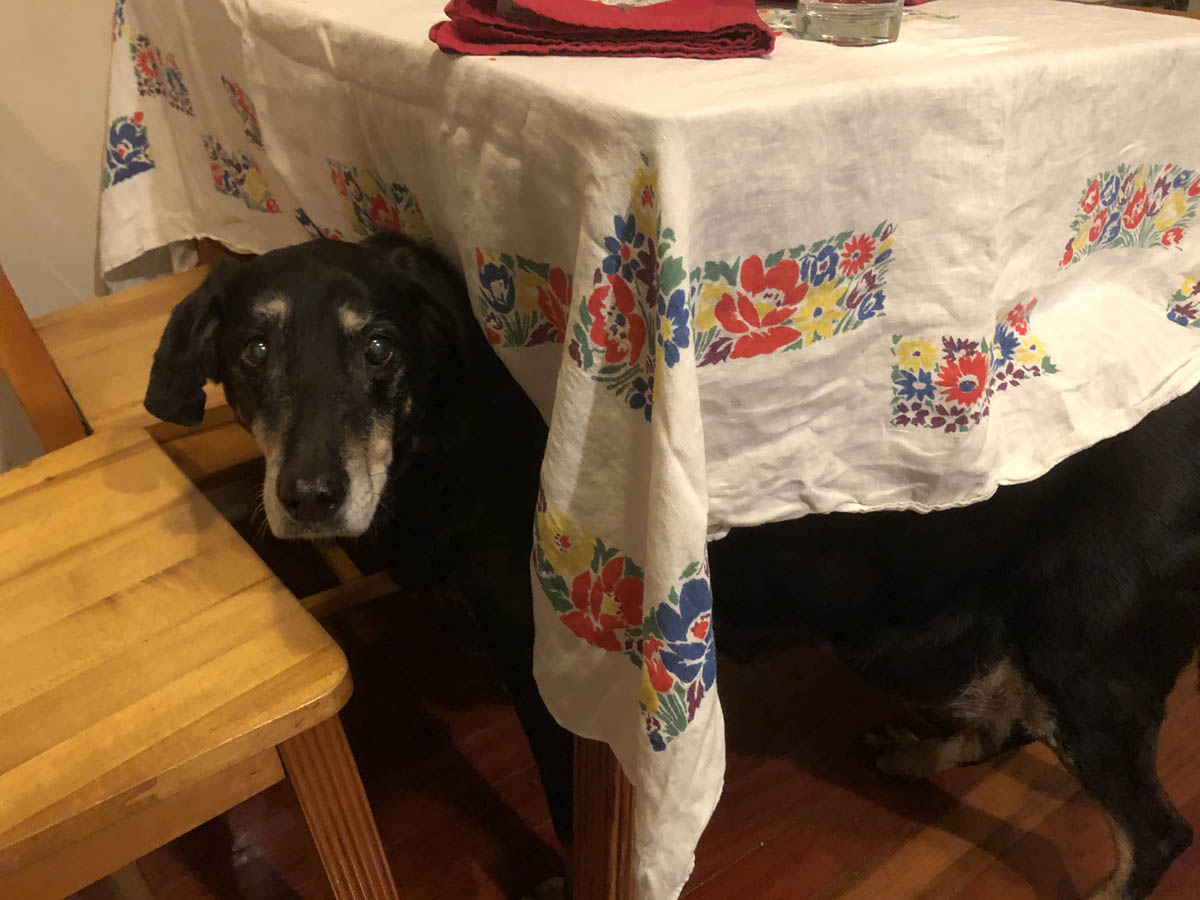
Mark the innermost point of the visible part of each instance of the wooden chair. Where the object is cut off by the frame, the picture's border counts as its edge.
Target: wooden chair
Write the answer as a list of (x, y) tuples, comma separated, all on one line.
[(108, 388), (153, 672)]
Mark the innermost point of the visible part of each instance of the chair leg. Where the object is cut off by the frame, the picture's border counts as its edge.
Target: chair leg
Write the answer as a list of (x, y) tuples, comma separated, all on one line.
[(602, 855), (325, 778)]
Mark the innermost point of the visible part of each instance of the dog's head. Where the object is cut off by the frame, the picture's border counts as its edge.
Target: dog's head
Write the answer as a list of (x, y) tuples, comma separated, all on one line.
[(334, 356)]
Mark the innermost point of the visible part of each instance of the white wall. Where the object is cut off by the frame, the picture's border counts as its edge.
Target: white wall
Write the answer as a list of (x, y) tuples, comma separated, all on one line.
[(54, 57)]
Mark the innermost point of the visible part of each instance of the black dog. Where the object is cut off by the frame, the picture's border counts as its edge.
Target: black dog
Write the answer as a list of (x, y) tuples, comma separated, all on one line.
[(379, 406), (1061, 610)]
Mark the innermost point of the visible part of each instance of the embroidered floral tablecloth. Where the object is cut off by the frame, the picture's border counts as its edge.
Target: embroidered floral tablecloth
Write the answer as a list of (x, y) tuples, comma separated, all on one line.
[(740, 291)]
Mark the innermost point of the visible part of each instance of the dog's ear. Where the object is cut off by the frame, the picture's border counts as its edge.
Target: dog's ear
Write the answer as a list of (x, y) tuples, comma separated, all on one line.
[(187, 355)]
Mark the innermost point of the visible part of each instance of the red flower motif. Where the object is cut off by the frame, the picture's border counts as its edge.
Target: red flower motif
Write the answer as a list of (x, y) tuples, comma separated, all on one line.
[(604, 603), (616, 326), (384, 214), (660, 679), (1068, 254), (857, 253), (137, 118), (1135, 210), (780, 289), (1172, 236), (963, 379), (1098, 225), (1017, 316), (217, 178), (1092, 197), (340, 183), (1194, 189), (272, 205), (147, 63), (554, 298)]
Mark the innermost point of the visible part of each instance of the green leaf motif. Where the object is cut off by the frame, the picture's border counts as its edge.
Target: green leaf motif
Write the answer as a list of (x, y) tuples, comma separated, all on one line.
[(773, 260)]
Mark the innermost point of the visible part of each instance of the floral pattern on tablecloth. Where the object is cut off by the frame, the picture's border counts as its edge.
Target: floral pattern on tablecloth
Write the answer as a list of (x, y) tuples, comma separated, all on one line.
[(158, 74), (792, 298), (244, 107), (521, 303), (635, 315), (127, 152), (371, 203), (1146, 206), (315, 230), (119, 28), (236, 174), (950, 386), (599, 595), (1184, 306)]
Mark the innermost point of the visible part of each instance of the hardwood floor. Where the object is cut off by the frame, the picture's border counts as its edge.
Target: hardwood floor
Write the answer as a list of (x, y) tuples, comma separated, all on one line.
[(804, 814)]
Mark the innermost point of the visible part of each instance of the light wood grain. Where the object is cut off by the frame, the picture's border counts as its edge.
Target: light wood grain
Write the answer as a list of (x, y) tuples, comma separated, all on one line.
[(80, 863), (325, 778), (145, 646), (32, 373), (104, 348)]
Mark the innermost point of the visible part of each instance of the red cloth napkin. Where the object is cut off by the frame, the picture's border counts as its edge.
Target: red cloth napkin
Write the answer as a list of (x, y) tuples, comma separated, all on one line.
[(706, 29)]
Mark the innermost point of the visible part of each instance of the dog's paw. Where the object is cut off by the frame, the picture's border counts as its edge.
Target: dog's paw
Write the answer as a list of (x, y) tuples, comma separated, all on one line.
[(894, 749)]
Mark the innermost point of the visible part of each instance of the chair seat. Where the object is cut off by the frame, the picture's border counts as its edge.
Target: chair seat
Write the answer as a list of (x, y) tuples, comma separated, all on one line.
[(144, 648), (103, 349)]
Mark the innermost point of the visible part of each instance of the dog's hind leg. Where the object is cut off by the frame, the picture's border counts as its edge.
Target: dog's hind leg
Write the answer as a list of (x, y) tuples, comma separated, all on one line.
[(1112, 748)]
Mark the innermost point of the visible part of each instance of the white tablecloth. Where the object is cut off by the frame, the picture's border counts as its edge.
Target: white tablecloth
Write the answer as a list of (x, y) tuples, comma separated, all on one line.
[(740, 291)]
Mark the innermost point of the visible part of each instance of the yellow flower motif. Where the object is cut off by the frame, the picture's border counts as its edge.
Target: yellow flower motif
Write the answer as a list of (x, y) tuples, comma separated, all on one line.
[(527, 290), (711, 293), (567, 547), (1081, 239), (255, 186), (1139, 180), (820, 312), (1030, 352), (1172, 210), (647, 694), (643, 196), (1186, 287), (917, 354), (886, 245)]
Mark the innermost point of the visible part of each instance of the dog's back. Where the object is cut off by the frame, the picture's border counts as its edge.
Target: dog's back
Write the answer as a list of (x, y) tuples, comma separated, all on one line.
[(1062, 610)]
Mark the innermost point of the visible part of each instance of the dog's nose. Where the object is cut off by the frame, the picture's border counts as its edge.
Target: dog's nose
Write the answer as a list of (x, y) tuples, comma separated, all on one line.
[(312, 499)]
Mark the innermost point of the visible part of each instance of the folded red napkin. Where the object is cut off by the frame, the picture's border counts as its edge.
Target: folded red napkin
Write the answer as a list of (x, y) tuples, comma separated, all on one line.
[(706, 29)]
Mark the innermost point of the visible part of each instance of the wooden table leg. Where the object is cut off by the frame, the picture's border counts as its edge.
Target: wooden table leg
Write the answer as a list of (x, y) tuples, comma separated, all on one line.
[(325, 778), (602, 855)]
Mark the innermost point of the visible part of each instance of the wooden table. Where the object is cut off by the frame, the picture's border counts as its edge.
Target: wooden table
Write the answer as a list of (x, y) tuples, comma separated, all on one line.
[(154, 673)]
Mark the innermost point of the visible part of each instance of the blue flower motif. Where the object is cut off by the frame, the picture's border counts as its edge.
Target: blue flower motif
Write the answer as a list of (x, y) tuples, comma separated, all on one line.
[(499, 291), (128, 150), (1182, 178), (1177, 317), (621, 246), (1112, 228), (1004, 345), (673, 331), (643, 396), (1108, 193), (915, 385), (870, 304), (656, 741), (817, 268), (689, 650)]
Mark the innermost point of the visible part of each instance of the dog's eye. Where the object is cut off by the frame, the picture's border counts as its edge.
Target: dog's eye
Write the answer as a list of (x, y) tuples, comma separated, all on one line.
[(255, 353), (379, 350)]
